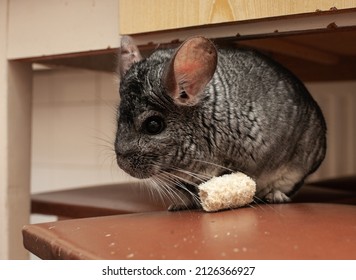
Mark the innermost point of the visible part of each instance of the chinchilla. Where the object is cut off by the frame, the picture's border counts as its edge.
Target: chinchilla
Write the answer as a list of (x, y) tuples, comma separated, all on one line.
[(199, 111)]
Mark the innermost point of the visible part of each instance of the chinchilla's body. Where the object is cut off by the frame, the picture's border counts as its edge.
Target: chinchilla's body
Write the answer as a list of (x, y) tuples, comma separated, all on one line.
[(196, 112)]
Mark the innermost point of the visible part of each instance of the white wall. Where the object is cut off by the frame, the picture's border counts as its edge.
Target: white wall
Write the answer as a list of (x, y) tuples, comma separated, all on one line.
[(338, 102), (74, 115), (40, 27)]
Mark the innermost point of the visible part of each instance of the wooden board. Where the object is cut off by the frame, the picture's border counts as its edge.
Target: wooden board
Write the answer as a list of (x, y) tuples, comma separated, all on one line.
[(139, 16), (285, 231)]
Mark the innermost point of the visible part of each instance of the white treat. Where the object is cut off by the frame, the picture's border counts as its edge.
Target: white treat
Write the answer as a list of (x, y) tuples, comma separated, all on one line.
[(226, 192)]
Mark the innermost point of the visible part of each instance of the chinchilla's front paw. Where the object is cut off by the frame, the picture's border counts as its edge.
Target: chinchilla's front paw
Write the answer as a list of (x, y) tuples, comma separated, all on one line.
[(276, 196)]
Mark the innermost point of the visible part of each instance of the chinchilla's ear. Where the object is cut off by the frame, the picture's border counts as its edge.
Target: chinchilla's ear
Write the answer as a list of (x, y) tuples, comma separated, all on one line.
[(190, 70), (128, 54)]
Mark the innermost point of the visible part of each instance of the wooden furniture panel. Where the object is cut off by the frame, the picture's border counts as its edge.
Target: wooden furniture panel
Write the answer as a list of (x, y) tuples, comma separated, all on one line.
[(286, 231), (312, 56), (297, 230), (128, 198), (111, 199), (140, 16)]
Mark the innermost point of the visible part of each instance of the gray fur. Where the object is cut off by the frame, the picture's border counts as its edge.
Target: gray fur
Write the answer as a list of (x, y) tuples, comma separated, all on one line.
[(254, 116)]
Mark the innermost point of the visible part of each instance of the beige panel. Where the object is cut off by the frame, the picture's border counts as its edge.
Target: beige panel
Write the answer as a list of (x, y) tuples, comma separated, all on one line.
[(19, 154), (4, 248), (38, 27), (138, 16), (15, 123)]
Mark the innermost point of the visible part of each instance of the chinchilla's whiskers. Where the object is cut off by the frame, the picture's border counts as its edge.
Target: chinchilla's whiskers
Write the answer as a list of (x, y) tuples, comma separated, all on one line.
[(181, 179), (201, 177), (250, 205), (106, 146), (215, 164), (153, 188), (174, 180), (165, 185), (194, 175), (258, 201), (255, 202), (106, 151), (163, 189), (178, 182), (164, 182)]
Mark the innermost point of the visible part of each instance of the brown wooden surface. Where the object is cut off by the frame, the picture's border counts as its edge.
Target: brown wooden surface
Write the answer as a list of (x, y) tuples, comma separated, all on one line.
[(287, 231), (322, 228), (136, 198), (98, 201)]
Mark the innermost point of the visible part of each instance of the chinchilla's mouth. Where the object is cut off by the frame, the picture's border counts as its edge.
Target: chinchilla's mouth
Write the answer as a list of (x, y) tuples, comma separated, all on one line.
[(136, 172), (136, 168)]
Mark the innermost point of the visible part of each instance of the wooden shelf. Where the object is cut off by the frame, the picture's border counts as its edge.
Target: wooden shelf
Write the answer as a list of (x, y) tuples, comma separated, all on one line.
[(313, 56)]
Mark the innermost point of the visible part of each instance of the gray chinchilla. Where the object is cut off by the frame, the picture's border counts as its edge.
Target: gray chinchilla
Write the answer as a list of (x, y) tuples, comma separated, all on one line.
[(199, 111)]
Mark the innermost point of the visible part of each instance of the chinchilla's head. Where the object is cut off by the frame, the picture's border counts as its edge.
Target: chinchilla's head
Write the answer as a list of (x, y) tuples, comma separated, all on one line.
[(157, 131)]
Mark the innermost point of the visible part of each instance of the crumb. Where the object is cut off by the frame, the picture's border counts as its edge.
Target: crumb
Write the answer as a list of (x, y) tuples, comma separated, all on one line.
[(175, 41), (130, 256), (332, 26)]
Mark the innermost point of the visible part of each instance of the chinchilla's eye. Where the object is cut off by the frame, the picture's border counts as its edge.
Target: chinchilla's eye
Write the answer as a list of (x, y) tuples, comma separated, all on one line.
[(153, 125)]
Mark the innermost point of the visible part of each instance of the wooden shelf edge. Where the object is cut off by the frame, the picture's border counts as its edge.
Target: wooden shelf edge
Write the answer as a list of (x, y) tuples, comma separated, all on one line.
[(247, 29)]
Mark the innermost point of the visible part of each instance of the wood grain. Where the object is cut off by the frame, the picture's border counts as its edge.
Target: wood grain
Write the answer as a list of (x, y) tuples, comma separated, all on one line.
[(140, 16)]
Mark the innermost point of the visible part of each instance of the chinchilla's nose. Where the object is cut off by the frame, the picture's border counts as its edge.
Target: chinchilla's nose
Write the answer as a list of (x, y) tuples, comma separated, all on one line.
[(123, 149)]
